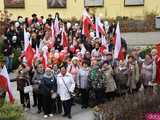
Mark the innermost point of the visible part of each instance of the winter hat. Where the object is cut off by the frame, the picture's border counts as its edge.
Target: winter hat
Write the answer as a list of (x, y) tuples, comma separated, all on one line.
[(74, 58)]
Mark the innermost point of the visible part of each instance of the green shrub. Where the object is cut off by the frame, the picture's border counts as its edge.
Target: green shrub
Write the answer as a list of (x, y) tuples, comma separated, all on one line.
[(2, 97), (11, 112), (145, 51), (130, 107)]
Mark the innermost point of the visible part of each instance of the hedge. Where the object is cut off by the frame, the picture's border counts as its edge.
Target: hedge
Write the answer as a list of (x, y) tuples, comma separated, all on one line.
[(11, 112)]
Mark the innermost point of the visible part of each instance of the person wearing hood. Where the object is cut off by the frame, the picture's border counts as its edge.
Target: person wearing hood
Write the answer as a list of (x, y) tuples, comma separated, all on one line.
[(48, 88), (74, 68)]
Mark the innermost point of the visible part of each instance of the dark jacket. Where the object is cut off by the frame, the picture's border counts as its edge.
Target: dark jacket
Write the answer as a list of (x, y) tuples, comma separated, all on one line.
[(36, 81), (47, 85), (49, 21), (7, 48), (22, 78)]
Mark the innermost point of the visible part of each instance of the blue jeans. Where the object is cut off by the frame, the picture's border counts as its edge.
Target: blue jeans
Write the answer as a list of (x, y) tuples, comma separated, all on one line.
[(8, 62)]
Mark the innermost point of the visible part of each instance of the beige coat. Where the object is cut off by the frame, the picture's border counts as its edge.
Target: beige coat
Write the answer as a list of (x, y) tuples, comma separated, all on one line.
[(133, 75), (110, 82)]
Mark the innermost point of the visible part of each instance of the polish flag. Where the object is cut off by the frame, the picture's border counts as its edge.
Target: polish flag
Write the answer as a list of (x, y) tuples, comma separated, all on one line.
[(99, 27), (26, 40), (118, 45), (52, 34), (29, 54), (56, 27), (4, 78), (37, 54), (28, 51), (45, 57), (86, 22), (104, 41), (64, 38)]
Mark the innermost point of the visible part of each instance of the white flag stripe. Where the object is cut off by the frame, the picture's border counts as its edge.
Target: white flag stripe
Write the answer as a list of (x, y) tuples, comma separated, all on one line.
[(5, 74), (37, 52), (56, 26), (97, 24), (118, 42), (26, 40), (53, 34)]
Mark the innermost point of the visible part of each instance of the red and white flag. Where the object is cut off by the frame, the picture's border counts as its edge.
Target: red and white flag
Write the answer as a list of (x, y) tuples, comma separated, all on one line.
[(52, 34), (28, 51), (56, 27), (118, 45), (37, 54), (26, 40), (45, 57), (99, 27), (29, 54), (64, 38), (86, 22), (4, 76), (104, 42)]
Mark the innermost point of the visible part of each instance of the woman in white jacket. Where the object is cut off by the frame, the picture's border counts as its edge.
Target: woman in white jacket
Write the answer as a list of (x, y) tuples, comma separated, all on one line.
[(66, 86)]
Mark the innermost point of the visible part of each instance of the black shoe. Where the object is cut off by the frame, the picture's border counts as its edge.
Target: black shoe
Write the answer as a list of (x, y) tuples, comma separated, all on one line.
[(34, 105), (86, 107), (64, 115), (82, 107), (69, 116), (59, 112), (73, 104), (39, 111)]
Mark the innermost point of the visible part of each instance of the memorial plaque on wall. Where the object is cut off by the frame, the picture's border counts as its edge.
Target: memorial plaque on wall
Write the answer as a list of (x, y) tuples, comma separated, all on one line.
[(56, 3), (14, 4), (92, 3), (133, 2)]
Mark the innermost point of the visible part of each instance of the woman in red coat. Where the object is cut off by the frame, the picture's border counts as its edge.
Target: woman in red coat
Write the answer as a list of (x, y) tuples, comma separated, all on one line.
[(158, 70), (156, 57)]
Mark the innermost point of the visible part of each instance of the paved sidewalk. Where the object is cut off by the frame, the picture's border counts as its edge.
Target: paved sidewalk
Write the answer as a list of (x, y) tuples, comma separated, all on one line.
[(77, 112), (142, 39)]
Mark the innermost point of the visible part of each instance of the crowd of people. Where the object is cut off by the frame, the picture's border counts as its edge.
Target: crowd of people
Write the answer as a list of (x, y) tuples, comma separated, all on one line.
[(70, 63)]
